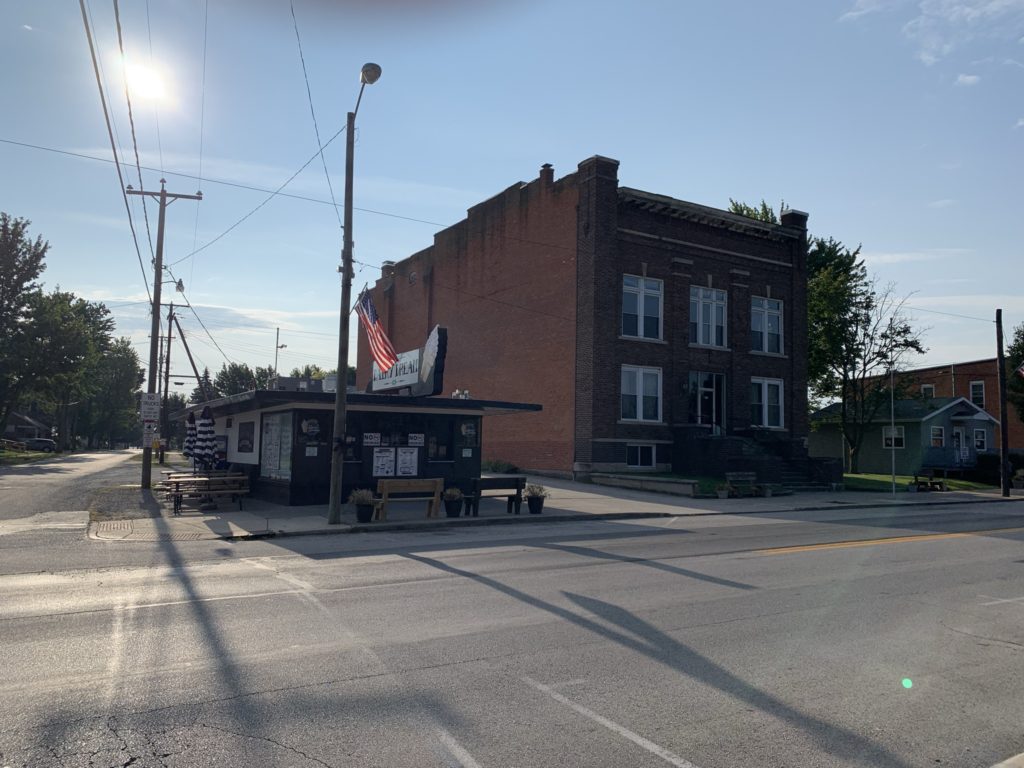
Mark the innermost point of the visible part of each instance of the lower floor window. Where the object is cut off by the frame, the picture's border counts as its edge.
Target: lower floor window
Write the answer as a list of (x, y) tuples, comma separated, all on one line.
[(980, 440), (893, 437), (640, 455), (766, 402), (938, 437)]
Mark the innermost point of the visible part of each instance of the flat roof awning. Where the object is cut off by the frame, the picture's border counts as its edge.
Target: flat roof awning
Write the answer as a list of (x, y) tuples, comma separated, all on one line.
[(357, 401)]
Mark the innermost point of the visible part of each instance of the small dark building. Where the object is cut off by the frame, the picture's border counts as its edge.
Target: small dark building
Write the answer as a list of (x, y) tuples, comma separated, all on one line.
[(284, 439)]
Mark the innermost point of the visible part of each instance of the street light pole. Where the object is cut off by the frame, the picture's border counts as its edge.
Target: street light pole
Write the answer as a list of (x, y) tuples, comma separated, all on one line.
[(369, 74), (277, 347)]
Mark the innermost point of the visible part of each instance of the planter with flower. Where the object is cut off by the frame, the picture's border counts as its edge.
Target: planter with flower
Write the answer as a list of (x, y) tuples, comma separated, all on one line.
[(535, 495), (362, 500), (452, 502)]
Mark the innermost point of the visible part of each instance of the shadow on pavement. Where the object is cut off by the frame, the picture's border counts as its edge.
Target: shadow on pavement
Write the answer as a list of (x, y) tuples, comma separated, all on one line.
[(649, 641)]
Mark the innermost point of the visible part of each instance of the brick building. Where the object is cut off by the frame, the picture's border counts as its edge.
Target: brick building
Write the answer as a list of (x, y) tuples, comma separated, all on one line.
[(978, 381), (656, 333)]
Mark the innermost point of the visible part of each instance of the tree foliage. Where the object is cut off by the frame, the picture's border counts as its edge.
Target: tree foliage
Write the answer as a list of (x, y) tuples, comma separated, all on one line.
[(211, 392), (1014, 380), (309, 371), (764, 212), (21, 263)]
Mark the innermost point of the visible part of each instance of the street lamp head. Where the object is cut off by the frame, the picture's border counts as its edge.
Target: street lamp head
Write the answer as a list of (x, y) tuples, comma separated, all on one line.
[(369, 74), (180, 286)]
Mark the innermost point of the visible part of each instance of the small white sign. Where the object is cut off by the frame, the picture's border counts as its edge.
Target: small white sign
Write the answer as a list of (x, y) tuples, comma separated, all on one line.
[(408, 462), (371, 438), (403, 373), (149, 406), (417, 439), (383, 462), (311, 450), (467, 453)]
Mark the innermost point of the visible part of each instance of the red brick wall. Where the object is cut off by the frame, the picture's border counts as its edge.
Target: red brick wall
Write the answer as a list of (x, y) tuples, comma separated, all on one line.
[(503, 281), (955, 381)]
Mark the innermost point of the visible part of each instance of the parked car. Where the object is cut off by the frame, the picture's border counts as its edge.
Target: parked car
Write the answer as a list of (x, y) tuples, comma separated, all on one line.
[(40, 444)]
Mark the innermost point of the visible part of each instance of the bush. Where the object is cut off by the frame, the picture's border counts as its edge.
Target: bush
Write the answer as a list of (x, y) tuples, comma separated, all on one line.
[(500, 466)]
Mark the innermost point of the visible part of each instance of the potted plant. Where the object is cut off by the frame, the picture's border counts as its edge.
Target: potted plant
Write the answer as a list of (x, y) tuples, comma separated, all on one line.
[(535, 498), (362, 500), (452, 502), (723, 490), (1018, 479)]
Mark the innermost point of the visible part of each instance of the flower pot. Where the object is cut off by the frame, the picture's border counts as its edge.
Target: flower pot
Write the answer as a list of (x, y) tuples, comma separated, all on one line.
[(723, 494), (364, 513), (452, 507), (535, 503)]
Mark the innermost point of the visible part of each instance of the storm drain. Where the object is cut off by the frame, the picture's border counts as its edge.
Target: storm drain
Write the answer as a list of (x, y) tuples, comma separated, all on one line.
[(115, 525), (164, 537)]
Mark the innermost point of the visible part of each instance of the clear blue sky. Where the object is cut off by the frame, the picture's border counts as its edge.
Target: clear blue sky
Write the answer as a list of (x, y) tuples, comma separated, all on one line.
[(896, 125)]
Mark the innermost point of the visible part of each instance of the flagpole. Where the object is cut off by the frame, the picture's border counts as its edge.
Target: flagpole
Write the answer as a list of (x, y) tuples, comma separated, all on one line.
[(1004, 437)]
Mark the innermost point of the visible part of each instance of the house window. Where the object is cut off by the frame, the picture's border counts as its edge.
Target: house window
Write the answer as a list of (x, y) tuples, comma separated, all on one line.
[(641, 394), (707, 317), (980, 440), (927, 390), (892, 437), (640, 456), (938, 437), (766, 325), (978, 393), (707, 400), (641, 307), (766, 402)]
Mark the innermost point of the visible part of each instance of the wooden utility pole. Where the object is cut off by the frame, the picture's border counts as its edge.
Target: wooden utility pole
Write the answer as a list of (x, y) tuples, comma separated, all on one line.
[(154, 335), (165, 429), (1004, 437)]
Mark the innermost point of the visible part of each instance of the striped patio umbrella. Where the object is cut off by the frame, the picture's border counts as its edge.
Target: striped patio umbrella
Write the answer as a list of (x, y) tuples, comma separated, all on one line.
[(205, 444), (190, 436)]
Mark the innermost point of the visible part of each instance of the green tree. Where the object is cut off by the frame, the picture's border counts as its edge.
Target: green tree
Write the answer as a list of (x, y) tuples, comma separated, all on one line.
[(111, 415), (21, 263), (308, 371), (234, 378), (1014, 380), (211, 393), (176, 427)]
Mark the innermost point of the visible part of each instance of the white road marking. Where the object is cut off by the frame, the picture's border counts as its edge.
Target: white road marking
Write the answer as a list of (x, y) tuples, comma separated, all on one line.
[(457, 750), (998, 600), (636, 738)]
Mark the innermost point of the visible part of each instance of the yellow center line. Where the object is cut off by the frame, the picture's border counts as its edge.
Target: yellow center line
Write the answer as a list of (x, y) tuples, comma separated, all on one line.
[(887, 540)]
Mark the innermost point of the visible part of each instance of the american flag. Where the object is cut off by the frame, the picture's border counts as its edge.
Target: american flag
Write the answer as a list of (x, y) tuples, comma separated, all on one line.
[(380, 345)]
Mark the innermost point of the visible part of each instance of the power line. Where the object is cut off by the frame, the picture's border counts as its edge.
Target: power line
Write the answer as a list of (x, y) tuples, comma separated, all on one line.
[(316, 128), (224, 182), (113, 148), (950, 314), (265, 201), (131, 122), (189, 305)]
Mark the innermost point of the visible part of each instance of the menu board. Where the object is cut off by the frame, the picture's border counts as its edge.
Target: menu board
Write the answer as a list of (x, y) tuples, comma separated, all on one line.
[(383, 462), (408, 462)]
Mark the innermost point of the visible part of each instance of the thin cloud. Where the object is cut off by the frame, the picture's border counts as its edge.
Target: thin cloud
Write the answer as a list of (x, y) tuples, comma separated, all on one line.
[(1020, 123), (902, 257), (862, 8), (943, 25), (967, 80), (26, 26), (944, 203)]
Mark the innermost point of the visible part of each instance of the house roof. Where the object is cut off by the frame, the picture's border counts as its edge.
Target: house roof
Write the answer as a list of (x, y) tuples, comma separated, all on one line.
[(362, 401), (917, 409)]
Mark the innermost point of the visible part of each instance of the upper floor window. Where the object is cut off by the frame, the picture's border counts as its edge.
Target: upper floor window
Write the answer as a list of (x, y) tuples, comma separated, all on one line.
[(707, 316), (641, 307), (978, 393), (640, 398), (766, 402), (927, 390), (766, 325)]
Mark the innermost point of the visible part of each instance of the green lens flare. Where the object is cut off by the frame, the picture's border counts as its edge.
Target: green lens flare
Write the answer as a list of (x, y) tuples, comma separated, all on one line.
[(908, 683)]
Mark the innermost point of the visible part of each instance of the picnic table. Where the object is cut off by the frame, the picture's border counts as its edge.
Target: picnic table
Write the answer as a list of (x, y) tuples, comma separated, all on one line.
[(500, 486), (208, 486)]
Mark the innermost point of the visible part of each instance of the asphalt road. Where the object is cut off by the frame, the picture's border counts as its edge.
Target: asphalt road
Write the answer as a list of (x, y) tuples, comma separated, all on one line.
[(841, 638)]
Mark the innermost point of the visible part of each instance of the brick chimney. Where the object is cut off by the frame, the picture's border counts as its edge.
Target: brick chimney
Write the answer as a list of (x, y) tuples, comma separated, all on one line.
[(547, 175), (794, 218)]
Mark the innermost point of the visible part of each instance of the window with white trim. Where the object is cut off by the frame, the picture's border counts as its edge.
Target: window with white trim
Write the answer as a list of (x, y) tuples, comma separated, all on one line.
[(980, 440), (641, 307), (938, 437), (978, 393), (888, 433), (641, 394), (927, 390), (640, 456), (766, 325), (707, 317), (766, 403)]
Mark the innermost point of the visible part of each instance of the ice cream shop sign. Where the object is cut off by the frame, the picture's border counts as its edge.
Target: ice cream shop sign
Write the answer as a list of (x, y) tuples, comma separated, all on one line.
[(420, 371)]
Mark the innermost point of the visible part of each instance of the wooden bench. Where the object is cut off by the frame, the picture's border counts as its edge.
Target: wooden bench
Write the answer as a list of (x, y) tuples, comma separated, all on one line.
[(928, 482), (744, 483), (502, 485), (401, 489), (200, 488)]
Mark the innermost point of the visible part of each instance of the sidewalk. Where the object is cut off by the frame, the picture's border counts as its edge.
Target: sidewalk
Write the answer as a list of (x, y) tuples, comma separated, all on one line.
[(568, 501)]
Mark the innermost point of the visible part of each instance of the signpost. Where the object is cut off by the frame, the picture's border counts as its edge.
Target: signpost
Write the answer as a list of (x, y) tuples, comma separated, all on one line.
[(149, 413)]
